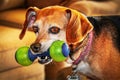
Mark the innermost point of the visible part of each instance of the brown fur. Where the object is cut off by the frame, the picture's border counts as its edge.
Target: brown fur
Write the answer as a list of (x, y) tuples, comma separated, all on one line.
[(77, 29), (105, 61)]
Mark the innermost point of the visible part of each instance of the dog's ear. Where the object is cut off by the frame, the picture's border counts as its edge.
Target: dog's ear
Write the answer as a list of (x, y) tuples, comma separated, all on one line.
[(78, 27), (29, 20)]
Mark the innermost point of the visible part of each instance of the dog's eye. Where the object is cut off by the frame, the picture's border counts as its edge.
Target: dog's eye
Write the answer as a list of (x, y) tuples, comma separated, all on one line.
[(35, 29), (54, 30)]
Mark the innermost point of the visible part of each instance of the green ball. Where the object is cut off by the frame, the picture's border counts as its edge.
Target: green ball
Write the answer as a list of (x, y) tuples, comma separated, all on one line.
[(21, 56), (56, 51)]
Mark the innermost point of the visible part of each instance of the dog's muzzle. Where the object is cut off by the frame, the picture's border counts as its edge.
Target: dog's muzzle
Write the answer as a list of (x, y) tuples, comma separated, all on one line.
[(35, 47), (34, 52)]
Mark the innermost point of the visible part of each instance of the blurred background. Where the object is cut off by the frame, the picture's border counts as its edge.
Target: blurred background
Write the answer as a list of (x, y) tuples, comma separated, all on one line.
[(12, 16)]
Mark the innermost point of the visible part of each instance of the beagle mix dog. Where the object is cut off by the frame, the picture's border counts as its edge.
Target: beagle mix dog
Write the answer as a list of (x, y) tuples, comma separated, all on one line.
[(94, 42)]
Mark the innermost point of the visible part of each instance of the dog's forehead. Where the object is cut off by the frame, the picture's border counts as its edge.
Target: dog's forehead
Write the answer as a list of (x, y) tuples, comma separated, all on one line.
[(51, 16), (50, 11)]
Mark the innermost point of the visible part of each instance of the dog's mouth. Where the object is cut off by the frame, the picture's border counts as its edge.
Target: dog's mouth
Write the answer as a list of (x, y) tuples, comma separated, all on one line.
[(44, 58)]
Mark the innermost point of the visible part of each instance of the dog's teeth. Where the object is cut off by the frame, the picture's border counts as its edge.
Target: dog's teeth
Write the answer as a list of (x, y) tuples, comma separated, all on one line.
[(46, 57)]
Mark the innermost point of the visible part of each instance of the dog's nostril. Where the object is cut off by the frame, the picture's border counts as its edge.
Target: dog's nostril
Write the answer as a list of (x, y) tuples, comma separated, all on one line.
[(35, 47)]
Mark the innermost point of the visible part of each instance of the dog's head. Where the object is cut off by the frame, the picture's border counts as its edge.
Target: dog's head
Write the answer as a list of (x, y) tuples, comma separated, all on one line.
[(55, 23)]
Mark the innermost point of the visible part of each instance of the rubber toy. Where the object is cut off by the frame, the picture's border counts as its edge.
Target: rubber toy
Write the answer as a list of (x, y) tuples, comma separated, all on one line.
[(59, 51), (22, 57)]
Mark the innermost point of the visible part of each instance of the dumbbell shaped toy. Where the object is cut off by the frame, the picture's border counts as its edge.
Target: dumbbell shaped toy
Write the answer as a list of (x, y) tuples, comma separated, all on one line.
[(58, 51)]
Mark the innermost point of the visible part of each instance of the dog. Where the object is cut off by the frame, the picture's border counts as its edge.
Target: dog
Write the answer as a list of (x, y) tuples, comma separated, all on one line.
[(94, 42)]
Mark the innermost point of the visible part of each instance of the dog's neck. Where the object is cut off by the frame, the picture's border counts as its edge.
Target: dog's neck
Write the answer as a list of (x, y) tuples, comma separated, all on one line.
[(86, 44)]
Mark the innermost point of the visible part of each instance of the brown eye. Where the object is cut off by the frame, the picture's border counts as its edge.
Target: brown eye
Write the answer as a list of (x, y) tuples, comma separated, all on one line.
[(35, 29), (54, 30)]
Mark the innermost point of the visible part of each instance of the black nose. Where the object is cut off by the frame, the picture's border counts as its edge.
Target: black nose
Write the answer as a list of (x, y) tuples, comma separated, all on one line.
[(35, 47)]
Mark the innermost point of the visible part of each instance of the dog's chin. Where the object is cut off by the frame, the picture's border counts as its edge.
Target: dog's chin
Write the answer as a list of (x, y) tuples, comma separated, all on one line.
[(44, 58)]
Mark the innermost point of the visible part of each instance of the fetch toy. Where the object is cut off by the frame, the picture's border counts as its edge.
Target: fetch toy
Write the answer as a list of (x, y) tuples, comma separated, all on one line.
[(58, 51)]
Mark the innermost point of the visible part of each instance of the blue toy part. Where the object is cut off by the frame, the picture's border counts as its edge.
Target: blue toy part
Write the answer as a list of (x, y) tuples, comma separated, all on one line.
[(46, 53), (43, 57), (65, 50), (31, 55)]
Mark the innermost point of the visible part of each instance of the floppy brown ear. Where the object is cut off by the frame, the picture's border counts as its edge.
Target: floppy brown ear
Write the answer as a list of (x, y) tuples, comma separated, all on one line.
[(29, 20), (78, 27)]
